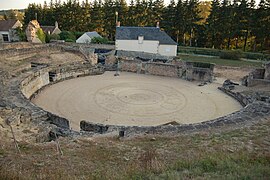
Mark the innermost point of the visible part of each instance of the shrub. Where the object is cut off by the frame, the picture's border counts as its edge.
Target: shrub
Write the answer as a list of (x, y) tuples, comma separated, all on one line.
[(99, 40), (233, 55), (78, 34), (67, 36), (69, 40), (54, 37), (257, 56), (21, 33), (41, 35)]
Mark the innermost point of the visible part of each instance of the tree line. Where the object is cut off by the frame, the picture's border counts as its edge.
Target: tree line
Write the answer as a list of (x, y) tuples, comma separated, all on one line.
[(237, 24)]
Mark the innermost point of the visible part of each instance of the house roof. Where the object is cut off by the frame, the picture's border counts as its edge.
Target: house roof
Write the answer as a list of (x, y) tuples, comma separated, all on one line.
[(149, 33), (92, 34), (46, 29), (6, 25)]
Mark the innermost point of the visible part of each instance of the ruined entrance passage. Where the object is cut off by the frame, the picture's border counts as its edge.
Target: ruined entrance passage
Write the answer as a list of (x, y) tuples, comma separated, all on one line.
[(134, 99)]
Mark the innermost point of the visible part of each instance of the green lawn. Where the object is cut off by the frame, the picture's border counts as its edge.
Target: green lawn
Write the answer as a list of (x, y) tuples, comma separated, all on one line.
[(218, 61)]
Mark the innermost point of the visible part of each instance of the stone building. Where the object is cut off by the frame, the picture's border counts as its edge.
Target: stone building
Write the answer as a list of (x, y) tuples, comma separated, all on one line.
[(51, 29), (31, 32)]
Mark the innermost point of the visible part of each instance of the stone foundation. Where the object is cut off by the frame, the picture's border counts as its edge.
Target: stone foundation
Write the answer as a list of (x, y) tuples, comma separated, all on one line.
[(184, 70), (258, 77)]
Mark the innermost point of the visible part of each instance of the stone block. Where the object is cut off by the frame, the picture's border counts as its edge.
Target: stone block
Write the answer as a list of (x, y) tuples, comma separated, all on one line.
[(267, 71)]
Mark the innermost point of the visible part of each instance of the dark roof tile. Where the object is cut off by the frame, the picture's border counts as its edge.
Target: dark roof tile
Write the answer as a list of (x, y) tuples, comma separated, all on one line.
[(6, 25), (149, 33), (46, 29)]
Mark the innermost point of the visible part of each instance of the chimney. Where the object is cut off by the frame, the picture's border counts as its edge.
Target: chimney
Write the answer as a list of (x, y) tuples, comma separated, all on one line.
[(56, 24), (118, 24), (157, 24)]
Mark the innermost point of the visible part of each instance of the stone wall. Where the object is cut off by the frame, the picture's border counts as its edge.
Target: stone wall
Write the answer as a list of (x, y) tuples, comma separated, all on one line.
[(258, 77), (184, 70), (11, 49), (267, 71), (34, 82), (29, 50), (18, 45), (199, 74), (40, 78), (141, 55), (131, 66), (162, 69)]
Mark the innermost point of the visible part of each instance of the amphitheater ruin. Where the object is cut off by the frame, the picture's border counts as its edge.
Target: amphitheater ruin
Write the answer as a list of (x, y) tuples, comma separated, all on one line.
[(75, 90)]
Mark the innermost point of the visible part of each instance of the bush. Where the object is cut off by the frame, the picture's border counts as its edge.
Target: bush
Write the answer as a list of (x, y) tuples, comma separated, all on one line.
[(257, 56), (233, 55), (99, 40), (50, 37), (54, 37), (41, 35), (78, 34), (21, 33), (67, 36), (69, 40)]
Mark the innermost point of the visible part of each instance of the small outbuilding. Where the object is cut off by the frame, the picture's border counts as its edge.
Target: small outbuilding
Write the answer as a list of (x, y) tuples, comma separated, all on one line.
[(145, 39), (87, 37)]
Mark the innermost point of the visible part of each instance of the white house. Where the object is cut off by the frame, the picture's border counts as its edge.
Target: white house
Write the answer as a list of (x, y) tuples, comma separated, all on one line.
[(8, 30), (145, 39), (87, 37)]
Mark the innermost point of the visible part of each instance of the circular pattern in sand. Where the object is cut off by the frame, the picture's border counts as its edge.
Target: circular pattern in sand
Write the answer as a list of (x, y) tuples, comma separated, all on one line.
[(134, 99), (140, 99)]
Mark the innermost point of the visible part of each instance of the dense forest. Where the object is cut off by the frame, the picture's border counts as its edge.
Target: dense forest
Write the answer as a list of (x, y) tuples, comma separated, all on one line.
[(237, 24)]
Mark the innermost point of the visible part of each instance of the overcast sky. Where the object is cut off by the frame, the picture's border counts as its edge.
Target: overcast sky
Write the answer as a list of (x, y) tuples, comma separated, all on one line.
[(22, 4)]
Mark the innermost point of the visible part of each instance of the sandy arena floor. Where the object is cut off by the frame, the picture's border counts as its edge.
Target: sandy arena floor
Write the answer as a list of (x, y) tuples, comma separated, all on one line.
[(135, 99)]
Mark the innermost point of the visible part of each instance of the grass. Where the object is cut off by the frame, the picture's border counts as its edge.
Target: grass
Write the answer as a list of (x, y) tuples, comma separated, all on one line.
[(235, 154), (221, 62)]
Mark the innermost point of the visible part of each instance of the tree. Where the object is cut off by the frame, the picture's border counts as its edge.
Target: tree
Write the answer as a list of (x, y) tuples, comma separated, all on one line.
[(212, 23), (97, 17), (168, 19)]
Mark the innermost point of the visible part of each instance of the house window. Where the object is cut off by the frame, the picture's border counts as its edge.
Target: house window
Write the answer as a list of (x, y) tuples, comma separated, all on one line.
[(140, 38), (5, 37)]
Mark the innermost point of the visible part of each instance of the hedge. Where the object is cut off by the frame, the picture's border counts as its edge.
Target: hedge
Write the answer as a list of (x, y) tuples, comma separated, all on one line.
[(218, 52)]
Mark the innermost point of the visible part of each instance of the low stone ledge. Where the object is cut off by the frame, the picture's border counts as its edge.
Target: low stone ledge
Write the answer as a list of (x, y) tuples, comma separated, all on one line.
[(58, 121), (250, 114)]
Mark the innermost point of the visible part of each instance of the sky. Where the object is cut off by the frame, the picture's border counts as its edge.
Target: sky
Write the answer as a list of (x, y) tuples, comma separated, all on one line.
[(22, 4)]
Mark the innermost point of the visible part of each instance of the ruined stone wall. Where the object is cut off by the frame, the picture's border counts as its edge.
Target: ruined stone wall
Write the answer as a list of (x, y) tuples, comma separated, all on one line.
[(29, 50), (34, 82), (142, 55), (267, 71), (39, 79), (131, 65), (18, 45), (182, 70), (199, 74), (162, 69), (258, 77)]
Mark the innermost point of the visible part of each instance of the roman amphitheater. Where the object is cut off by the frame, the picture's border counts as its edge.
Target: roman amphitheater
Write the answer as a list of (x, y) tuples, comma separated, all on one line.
[(71, 90)]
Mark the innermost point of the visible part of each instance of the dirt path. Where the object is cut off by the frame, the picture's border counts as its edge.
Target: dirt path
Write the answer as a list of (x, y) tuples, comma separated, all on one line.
[(134, 99)]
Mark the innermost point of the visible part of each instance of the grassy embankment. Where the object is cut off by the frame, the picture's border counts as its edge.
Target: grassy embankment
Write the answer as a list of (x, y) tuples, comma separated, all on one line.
[(235, 154)]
